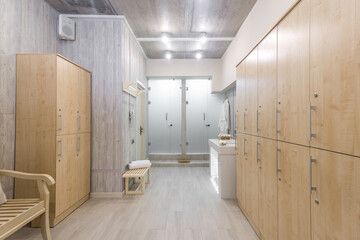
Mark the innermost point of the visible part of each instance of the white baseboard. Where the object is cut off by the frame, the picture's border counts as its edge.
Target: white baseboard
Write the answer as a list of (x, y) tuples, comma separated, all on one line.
[(106, 195)]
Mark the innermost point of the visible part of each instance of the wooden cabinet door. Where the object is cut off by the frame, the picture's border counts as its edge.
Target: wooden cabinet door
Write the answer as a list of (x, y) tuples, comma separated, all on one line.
[(267, 85), (252, 179), (83, 165), (251, 93), (267, 188), (84, 102), (293, 75), (240, 171), (335, 204), (66, 155), (335, 75), (240, 97), (67, 97), (293, 192)]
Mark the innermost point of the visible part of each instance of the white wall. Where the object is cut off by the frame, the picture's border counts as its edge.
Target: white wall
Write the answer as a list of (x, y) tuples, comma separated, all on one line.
[(264, 15), (186, 67)]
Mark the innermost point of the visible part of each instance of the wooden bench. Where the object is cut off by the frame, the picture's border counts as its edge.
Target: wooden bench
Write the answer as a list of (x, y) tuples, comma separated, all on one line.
[(16, 213), (137, 173)]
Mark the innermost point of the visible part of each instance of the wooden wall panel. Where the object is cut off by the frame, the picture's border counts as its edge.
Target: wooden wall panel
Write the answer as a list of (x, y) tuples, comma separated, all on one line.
[(26, 27), (107, 48), (98, 48), (134, 69)]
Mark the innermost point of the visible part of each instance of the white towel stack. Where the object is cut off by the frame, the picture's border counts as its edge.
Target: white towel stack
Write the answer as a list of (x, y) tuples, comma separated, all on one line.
[(139, 164)]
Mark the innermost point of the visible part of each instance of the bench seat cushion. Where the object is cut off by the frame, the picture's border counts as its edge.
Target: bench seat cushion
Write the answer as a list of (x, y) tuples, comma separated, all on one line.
[(16, 213)]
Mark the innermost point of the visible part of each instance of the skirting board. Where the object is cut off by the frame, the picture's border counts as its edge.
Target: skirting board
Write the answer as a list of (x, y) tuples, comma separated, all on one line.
[(105, 195)]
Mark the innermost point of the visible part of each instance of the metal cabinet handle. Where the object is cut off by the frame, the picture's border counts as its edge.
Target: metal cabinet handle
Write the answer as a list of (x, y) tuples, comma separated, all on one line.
[(166, 116), (78, 144), (60, 119), (79, 122), (311, 135), (257, 121), (204, 116), (257, 152), (277, 160), (311, 160), (60, 146), (276, 121), (244, 122), (244, 146)]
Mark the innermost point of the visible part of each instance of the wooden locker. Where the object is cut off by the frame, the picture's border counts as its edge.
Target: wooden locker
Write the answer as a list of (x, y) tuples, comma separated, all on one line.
[(252, 180), (293, 75), (251, 117), (240, 171), (335, 203), (83, 164), (50, 90), (240, 97), (267, 85), (67, 97), (267, 150), (65, 172), (84, 99), (335, 75), (293, 192)]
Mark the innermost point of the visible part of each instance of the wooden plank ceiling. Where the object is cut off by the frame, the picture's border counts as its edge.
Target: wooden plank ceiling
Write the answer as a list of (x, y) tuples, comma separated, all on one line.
[(179, 18)]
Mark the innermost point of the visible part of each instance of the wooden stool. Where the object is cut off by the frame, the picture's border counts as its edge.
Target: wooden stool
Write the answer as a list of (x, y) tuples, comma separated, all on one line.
[(136, 173)]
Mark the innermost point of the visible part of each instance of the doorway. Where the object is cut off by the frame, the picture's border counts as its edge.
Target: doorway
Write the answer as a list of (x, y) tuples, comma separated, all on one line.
[(183, 115)]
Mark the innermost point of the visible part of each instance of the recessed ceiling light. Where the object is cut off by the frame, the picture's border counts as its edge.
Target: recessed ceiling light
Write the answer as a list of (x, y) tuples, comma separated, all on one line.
[(198, 55), (164, 37), (203, 38), (168, 55)]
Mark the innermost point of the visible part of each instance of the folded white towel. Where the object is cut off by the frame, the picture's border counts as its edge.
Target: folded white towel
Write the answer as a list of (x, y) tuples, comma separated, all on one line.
[(2, 196), (139, 164)]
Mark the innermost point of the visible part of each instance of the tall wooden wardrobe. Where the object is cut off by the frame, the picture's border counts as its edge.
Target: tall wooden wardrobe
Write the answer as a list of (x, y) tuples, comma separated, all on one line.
[(298, 118), (53, 129)]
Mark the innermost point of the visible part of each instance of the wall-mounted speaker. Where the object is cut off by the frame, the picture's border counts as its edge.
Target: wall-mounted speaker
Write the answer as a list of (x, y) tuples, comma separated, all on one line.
[(66, 28)]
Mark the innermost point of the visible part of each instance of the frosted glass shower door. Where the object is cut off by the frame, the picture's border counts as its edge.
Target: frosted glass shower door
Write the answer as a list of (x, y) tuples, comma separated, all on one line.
[(164, 116), (196, 110), (202, 115)]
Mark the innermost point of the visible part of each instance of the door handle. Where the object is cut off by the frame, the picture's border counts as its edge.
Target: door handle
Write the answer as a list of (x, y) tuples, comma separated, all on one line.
[(277, 160), (257, 151), (207, 125), (244, 122), (170, 125), (78, 144), (60, 146), (79, 122), (311, 135), (60, 119), (311, 160), (257, 120), (204, 116), (244, 146), (166, 116), (276, 121)]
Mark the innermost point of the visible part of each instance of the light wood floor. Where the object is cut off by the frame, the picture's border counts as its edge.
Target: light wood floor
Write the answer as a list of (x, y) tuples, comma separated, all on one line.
[(180, 203)]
